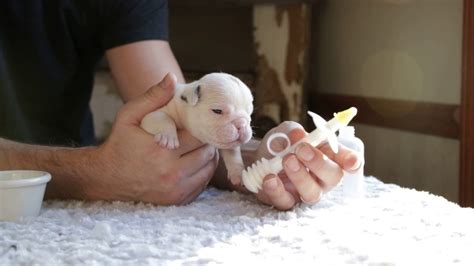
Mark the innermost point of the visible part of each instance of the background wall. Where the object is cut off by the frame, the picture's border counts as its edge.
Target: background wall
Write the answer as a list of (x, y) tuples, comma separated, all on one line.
[(395, 49)]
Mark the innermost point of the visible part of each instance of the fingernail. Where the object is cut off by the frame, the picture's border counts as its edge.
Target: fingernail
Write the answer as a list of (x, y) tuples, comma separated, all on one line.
[(352, 165), (212, 153), (271, 184), (305, 152), (166, 81), (293, 164)]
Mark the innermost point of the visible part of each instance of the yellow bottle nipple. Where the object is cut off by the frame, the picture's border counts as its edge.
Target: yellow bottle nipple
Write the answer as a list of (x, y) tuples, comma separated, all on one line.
[(344, 117)]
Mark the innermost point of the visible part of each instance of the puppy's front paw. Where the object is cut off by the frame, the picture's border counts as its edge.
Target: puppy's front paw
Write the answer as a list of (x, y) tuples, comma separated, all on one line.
[(235, 175), (235, 179), (168, 140)]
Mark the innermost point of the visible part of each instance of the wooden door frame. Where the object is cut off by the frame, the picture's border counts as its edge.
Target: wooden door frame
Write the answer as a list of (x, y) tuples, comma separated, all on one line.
[(466, 171)]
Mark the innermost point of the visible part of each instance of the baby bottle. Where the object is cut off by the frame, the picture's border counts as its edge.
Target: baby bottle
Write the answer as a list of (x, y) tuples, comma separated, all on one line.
[(352, 183)]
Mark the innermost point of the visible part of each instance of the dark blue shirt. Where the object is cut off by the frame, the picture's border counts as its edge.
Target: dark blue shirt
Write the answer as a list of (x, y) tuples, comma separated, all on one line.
[(48, 53)]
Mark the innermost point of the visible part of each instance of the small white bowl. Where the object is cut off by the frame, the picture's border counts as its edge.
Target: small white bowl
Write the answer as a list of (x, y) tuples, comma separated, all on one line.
[(21, 193)]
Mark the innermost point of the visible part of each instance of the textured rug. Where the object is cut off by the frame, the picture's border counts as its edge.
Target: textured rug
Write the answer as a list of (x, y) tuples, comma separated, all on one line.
[(390, 226)]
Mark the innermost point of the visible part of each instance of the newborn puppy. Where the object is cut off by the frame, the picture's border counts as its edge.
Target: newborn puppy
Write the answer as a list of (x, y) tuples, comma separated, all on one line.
[(215, 109)]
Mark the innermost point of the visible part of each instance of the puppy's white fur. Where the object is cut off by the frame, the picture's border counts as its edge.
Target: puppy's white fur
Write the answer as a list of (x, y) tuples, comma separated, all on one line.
[(215, 109)]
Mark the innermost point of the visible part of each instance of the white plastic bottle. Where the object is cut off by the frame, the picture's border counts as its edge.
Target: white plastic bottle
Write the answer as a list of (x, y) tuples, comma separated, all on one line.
[(353, 184)]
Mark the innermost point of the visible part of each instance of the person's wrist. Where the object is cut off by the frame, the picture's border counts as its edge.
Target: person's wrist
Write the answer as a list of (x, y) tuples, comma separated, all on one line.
[(98, 173), (81, 175)]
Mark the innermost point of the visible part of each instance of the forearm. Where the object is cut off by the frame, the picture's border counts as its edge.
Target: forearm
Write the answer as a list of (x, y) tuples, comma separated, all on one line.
[(71, 168), (138, 66)]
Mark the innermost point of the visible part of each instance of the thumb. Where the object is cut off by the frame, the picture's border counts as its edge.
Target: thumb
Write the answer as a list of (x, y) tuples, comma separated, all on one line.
[(155, 97)]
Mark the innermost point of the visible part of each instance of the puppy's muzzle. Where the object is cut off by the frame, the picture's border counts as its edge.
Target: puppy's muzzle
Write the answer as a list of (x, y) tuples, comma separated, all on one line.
[(243, 128)]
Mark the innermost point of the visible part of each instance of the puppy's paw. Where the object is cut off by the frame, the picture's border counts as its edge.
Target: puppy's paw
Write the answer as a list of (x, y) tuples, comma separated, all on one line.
[(235, 175), (236, 180), (167, 140)]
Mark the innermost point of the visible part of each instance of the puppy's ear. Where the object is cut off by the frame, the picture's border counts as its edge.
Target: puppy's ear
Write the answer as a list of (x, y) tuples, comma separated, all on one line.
[(191, 95)]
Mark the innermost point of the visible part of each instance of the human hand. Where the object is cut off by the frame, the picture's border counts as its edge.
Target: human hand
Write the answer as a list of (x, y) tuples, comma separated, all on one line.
[(307, 174), (135, 167)]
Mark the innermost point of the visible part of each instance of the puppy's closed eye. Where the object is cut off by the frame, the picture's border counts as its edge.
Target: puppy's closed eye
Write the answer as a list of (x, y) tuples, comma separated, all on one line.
[(217, 111)]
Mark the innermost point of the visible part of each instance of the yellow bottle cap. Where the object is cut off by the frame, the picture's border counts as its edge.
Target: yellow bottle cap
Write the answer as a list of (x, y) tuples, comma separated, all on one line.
[(346, 116)]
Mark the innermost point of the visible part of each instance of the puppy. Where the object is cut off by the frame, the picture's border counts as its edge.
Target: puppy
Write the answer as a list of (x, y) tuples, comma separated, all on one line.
[(215, 109)]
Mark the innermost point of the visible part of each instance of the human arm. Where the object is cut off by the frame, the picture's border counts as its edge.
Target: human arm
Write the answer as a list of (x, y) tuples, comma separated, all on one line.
[(137, 66), (139, 55), (71, 168), (134, 67), (125, 167), (134, 35)]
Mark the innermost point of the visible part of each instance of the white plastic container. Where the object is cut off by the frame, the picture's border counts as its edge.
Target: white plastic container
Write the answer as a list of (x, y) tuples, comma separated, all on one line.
[(21, 193), (353, 184)]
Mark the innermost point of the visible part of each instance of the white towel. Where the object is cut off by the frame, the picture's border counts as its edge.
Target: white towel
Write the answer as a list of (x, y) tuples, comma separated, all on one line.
[(392, 225)]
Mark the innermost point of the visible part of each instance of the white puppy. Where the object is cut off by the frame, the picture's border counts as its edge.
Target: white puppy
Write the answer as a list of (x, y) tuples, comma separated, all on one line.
[(215, 109)]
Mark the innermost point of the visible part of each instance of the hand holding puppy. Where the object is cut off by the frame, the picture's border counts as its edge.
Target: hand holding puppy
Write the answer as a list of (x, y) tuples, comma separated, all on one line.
[(137, 170)]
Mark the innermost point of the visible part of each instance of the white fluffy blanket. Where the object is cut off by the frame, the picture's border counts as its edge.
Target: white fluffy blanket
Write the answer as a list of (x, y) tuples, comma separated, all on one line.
[(392, 225)]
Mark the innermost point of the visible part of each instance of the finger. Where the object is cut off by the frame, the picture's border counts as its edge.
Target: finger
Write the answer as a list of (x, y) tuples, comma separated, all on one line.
[(290, 128), (309, 190), (193, 161), (187, 142), (279, 144), (154, 98), (199, 181), (286, 127), (328, 172), (296, 134), (348, 159), (276, 193)]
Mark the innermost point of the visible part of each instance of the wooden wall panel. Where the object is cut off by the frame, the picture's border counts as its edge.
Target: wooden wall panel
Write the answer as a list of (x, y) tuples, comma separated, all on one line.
[(466, 181)]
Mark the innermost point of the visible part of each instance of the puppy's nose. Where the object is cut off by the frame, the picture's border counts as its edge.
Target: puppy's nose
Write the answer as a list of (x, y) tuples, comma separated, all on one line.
[(240, 123)]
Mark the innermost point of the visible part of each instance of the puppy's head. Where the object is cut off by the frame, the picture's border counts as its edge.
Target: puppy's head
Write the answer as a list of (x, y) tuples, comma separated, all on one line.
[(218, 109)]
